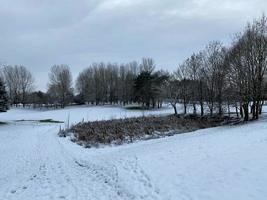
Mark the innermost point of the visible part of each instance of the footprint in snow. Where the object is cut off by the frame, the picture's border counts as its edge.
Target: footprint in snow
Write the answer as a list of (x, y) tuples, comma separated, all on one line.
[(13, 191)]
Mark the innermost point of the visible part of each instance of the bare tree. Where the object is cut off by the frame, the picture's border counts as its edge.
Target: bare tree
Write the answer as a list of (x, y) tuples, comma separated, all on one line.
[(248, 62), (182, 76), (19, 82), (214, 74), (107, 83), (173, 95), (25, 83), (11, 83), (147, 65), (3, 97), (60, 84)]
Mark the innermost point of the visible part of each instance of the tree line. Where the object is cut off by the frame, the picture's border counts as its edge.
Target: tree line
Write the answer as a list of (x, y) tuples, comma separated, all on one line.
[(221, 78), (217, 80), (98, 84), (122, 84)]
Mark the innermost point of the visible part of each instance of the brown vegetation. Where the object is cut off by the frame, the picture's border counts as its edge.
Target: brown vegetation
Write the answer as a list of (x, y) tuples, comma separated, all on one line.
[(120, 131)]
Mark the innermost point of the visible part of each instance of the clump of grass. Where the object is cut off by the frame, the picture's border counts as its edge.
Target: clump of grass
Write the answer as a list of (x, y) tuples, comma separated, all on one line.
[(23, 120), (50, 121), (3, 123)]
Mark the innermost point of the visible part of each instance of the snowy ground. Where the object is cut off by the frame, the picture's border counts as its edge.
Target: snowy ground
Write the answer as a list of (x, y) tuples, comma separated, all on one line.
[(217, 163)]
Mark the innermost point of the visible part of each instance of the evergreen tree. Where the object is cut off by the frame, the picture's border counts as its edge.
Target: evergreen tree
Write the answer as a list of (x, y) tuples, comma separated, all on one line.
[(143, 88), (3, 97), (148, 87)]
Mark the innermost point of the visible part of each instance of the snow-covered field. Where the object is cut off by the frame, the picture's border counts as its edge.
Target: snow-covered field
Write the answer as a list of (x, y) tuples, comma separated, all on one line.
[(77, 114), (218, 163)]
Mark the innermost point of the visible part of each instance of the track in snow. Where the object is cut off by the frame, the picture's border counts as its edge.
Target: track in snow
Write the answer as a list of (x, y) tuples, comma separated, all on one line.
[(42, 168)]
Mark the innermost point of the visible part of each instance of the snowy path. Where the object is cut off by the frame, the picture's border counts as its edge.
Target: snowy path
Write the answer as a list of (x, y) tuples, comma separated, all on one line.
[(219, 163), (39, 166)]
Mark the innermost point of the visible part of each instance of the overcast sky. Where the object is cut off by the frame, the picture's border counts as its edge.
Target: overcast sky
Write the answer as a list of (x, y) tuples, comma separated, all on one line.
[(41, 33)]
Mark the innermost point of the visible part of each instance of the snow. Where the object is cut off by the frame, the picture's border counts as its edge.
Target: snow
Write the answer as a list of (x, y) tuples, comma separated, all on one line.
[(217, 163), (79, 113)]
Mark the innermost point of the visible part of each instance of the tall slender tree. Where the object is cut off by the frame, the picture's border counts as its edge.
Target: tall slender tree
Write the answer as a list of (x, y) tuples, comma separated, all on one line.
[(3, 97)]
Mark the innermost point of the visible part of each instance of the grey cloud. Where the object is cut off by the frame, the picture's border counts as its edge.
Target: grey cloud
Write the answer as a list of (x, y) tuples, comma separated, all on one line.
[(40, 33)]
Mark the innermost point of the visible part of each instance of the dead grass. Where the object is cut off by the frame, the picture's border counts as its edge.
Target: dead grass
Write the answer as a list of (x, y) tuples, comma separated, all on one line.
[(127, 130), (2, 123), (50, 121)]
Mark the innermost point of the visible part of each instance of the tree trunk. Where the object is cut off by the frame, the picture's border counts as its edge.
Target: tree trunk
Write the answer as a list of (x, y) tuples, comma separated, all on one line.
[(211, 109), (236, 110), (175, 109), (201, 99), (260, 110), (246, 112), (241, 111), (194, 109), (185, 109), (202, 108), (228, 107), (253, 110), (220, 104), (257, 110)]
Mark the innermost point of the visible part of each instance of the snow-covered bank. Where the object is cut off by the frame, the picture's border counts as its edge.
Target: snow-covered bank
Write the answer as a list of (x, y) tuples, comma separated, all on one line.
[(218, 163)]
